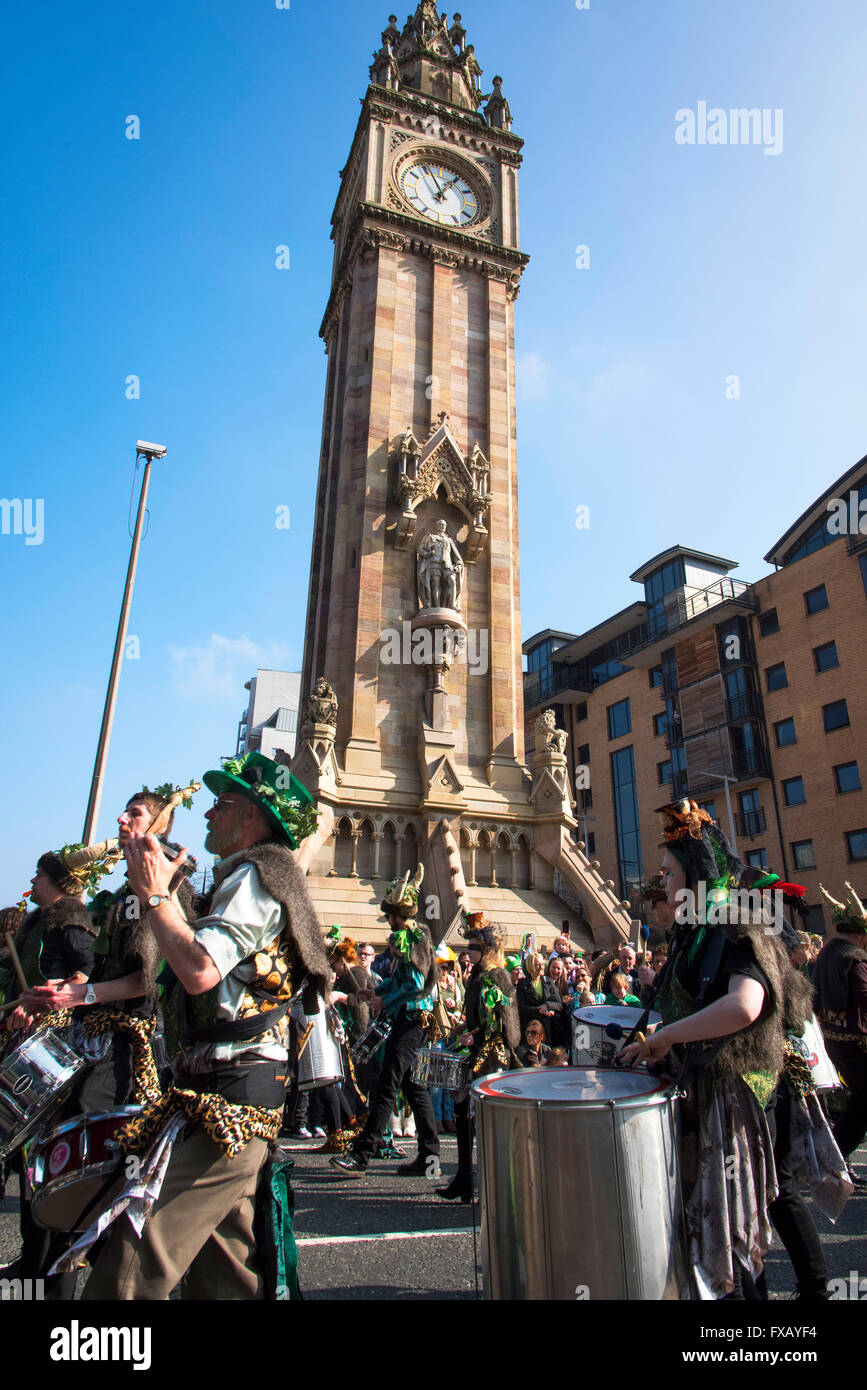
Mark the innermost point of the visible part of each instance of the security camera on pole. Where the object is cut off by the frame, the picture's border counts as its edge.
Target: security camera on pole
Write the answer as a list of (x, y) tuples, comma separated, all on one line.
[(149, 452)]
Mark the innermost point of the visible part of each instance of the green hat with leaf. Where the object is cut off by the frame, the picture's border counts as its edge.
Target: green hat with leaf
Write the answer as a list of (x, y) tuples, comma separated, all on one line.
[(284, 801)]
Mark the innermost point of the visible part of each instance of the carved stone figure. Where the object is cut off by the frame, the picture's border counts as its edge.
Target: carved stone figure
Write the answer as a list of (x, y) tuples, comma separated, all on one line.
[(547, 733), (322, 704), (440, 571)]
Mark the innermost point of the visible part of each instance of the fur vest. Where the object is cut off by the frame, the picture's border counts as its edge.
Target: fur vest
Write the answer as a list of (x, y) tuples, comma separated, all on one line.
[(760, 1047), (285, 882), (831, 978), (36, 928), (507, 1014)]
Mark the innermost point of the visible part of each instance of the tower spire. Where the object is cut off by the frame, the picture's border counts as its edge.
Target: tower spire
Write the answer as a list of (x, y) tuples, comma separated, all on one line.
[(430, 57)]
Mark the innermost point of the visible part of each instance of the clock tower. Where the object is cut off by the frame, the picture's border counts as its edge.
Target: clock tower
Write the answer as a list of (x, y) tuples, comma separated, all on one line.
[(412, 656)]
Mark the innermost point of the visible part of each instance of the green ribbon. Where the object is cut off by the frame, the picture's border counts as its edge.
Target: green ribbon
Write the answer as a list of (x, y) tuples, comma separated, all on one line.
[(405, 938), (490, 996)]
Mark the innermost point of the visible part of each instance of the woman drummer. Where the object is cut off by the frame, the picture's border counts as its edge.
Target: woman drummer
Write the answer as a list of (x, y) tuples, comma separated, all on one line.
[(493, 1032), (721, 1000)]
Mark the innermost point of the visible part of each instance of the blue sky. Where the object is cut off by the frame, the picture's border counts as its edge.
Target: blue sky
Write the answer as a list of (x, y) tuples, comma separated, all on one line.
[(156, 258)]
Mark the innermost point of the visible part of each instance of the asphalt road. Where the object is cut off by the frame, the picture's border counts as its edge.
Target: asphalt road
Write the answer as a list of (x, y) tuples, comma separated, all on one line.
[(387, 1237)]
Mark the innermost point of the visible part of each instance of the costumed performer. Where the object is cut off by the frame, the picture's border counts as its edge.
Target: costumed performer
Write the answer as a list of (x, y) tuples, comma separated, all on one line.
[(202, 1203)]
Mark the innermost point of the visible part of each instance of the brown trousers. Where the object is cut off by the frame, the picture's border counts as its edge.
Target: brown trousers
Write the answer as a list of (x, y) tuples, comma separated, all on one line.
[(201, 1225)]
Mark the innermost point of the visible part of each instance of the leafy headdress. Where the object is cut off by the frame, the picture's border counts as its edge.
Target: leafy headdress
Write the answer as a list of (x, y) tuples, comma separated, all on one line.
[(284, 801)]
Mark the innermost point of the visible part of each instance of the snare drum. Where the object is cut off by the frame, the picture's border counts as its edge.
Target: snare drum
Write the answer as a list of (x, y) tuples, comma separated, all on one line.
[(600, 1030), (812, 1048), (612, 1134), (371, 1040), (35, 1079), (71, 1162), (321, 1062), (444, 1071)]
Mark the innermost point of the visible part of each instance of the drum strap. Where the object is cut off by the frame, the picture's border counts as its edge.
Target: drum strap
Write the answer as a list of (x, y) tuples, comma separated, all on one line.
[(234, 1030), (701, 1054)]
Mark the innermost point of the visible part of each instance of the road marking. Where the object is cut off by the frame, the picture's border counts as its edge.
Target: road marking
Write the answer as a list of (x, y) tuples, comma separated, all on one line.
[(386, 1235)]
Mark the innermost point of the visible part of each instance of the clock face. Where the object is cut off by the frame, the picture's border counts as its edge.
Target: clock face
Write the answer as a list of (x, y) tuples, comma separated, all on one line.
[(439, 194)]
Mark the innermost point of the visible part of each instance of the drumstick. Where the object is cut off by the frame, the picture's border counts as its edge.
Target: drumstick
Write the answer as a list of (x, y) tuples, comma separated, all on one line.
[(10, 1005), (304, 1040), (16, 961)]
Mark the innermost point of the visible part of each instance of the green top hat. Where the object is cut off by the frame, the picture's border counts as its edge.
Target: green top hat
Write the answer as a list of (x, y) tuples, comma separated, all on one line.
[(284, 801)]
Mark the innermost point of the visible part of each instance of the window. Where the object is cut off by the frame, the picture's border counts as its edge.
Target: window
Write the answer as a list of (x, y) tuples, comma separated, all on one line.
[(776, 677), (769, 622), (580, 711), (664, 772), (826, 657), (655, 676), (757, 858), (803, 854), (847, 777), (586, 798), (793, 791), (584, 754), (856, 844), (862, 561), (663, 581), (784, 732), (752, 813), (835, 715), (821, 534), (816, 599), (591, 842), (660, 724), (710, 807), (626, 819), (619, 719)]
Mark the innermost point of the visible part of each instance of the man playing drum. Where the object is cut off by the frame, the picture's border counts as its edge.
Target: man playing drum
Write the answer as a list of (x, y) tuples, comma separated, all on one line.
[(231, 978)]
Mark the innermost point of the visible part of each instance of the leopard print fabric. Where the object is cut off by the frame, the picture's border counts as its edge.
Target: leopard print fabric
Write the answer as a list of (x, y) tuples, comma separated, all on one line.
[(139, 1032), (230, 1126)]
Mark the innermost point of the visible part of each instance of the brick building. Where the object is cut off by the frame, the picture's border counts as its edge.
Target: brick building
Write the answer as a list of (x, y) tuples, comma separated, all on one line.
[(749, 697)]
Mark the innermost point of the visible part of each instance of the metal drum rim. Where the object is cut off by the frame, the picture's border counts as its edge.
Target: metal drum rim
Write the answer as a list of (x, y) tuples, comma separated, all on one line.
[(51, 1189), (664, 1091), (92, 1117)]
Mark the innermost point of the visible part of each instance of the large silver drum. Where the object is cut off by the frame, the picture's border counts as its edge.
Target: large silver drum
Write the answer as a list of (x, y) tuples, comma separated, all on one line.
[(35, 1078), (580, 1185), (599, 1032), (321, 1062)]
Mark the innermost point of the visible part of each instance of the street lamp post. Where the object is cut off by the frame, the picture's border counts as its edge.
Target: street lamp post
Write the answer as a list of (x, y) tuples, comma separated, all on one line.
[(148, 452), (721, 777)]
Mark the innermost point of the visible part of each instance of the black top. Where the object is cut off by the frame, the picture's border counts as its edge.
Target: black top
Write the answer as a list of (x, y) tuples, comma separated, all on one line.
[(67, 952)]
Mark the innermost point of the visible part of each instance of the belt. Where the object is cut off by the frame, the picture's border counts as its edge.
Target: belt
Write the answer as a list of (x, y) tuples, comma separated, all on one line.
[(259, 1083)]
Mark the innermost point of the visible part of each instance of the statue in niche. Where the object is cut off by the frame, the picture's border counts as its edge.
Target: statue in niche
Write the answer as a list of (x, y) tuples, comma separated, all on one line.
[(440, 571)]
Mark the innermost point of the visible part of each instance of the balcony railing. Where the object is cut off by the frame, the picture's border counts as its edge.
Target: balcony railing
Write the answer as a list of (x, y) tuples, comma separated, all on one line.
[(743, 706), (539, 688), (749, 823), (751, 762)]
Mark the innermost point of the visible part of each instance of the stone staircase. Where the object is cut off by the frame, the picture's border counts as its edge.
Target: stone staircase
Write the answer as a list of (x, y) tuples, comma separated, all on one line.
[(354, 904)]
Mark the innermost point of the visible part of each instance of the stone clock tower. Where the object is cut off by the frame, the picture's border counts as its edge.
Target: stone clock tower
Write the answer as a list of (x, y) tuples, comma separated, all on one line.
[(413, 617)]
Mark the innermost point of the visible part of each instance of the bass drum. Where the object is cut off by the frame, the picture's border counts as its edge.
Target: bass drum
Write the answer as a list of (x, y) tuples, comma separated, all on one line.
[(552, 1135), (321, 1062), (35, 1079)]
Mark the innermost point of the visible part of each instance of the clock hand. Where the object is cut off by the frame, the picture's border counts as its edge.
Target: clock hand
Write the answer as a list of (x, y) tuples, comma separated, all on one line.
[(432, 175)]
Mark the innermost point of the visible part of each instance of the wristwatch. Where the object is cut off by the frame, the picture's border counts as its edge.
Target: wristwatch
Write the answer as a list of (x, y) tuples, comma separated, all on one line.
[(90, 995), (156, 898)]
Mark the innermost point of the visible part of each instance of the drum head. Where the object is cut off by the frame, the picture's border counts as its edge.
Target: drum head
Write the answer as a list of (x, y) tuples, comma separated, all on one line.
[(59, 1205), (571, 1085)]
